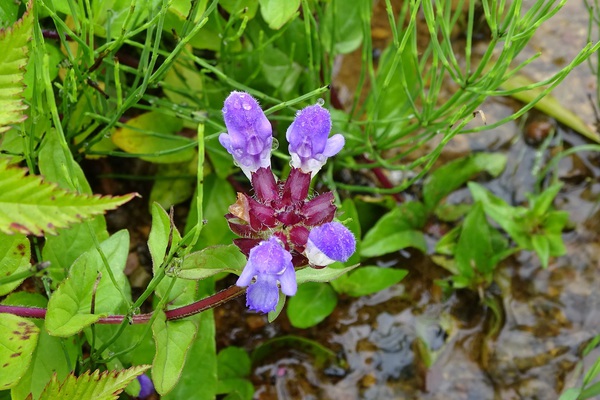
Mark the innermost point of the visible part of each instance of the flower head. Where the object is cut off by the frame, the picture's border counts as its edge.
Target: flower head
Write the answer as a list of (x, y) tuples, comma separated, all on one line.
[(308, 136), (328, 243), (249, 133), (269, 263)]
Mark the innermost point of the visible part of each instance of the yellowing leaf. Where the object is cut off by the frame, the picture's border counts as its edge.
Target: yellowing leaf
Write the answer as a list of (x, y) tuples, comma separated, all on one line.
[(18, 338), (14, 258), (32, 207), (95, 386), (13, 59), (152, 136)]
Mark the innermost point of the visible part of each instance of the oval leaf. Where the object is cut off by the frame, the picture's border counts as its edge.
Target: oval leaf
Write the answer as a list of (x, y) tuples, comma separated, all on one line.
[(311, 305), (211, 261)]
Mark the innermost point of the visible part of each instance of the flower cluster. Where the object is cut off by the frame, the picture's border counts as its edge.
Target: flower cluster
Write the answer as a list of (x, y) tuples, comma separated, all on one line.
[(280, 227)]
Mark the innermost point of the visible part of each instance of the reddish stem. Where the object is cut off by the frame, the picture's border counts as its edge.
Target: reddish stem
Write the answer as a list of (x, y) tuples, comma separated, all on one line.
[(177, 313)]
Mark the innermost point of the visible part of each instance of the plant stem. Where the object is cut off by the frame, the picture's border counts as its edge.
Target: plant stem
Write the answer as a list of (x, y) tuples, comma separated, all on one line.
[(177, 313)]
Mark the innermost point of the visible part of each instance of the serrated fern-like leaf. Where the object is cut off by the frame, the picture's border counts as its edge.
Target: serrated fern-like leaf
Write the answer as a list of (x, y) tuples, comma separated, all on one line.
[(95, 386), (13, 58), (32, 207)]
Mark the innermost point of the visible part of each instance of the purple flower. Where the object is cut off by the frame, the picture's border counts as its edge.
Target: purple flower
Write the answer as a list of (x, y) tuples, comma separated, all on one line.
[(328, 243), (308, 138), (249, 133), (269, 262), (146, 386)]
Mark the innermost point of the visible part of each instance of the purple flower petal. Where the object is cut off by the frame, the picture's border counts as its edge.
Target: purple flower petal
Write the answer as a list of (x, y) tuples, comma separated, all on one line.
[(308, 138), (328, 243), (146, 386), (268, 262), (263, 295), (249, 133)]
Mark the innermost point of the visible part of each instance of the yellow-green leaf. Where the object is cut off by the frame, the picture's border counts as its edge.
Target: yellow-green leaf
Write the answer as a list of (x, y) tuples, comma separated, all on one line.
[(95, 386), (32, 207), (13, 59), (18, 338), (152, 136)]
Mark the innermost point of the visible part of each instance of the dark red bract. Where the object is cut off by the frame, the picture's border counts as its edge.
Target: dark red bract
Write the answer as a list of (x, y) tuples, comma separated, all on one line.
[(279, 208)]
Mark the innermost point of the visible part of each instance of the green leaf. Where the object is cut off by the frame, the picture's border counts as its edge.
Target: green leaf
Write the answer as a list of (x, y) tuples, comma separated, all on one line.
[(15, 253), (13, 59), (198, 379), (591, 391), (163, 235), (326, 274), (233, 362), (18, 339), (342, 24), (153, 133), (509, 218), (571, 394), (173, 340), (378, 246), (277, 12), (368, 280), (247, 7), (52, 357), (312, 304), (279, 71), (174, 183), (30, 206), (541, 246), (95, 386), (110, 16), (474, 248), (8, 13), (69, 308), (62, 250), (211, 261), (397, 229), (453, 175), (541, 204)]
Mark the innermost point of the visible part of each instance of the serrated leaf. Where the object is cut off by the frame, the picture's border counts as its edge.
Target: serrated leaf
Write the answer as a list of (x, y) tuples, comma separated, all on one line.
[(18, 339), (52, 356), (154, 133), (13, 59), (211, 261), (312, 304), (32, 207), (14, 258), (69, 308), (95, 386)]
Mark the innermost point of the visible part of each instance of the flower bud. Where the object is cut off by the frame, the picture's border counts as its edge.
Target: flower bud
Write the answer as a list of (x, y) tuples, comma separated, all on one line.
[(329, 243)]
